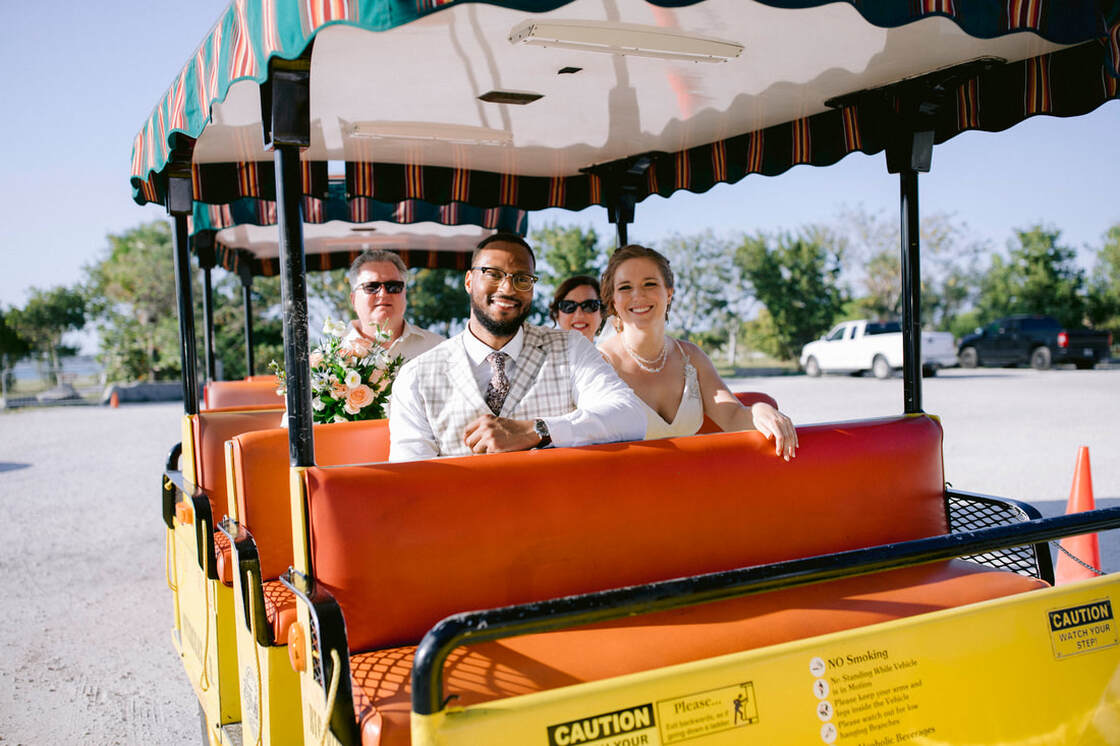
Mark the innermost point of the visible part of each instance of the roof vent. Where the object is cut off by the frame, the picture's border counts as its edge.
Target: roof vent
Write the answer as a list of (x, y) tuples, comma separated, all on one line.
[(509, 97)]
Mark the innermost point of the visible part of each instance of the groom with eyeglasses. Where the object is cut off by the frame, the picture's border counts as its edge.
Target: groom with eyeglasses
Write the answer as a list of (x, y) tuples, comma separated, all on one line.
[(379, 295), (503, 385)]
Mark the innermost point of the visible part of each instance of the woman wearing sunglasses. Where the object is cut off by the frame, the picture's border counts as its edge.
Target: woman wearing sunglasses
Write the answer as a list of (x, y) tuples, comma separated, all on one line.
[(676, 381), (577, 305)]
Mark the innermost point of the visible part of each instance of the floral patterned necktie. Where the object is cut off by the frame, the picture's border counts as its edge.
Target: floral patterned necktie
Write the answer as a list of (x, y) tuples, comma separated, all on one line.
[(499, 384)]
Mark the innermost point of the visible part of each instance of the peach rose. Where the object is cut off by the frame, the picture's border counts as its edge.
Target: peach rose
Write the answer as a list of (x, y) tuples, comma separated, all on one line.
[(358, 346), (357, 398), (315, 358), (339, 390)]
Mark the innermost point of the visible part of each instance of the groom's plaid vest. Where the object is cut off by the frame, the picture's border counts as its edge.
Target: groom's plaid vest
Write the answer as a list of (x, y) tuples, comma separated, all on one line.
[(541, 385)]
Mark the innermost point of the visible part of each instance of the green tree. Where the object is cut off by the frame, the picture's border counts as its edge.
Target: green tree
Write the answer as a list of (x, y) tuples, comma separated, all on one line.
[(330, 291), (1040, 276), (46, 317), (1104, 289), (707, 281), (132, 294), (797, 279), (563, 252), (437, 300), (229, 325), (13, 348), (949, 255)]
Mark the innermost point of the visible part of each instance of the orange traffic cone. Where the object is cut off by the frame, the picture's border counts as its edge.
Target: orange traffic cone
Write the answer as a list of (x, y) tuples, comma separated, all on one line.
[(1084, 547), (114, 400)]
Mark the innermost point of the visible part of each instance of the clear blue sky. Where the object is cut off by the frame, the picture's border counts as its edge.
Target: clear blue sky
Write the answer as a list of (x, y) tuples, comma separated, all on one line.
[(80, 79)]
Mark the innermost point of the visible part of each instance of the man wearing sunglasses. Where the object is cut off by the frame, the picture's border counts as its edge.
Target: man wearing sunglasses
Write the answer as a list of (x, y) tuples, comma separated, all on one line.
[(379, 295), (503, 385)]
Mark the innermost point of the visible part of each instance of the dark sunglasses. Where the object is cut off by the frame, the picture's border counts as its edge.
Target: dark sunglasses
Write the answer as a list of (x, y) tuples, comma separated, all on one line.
[(588, 306), (392, 287)]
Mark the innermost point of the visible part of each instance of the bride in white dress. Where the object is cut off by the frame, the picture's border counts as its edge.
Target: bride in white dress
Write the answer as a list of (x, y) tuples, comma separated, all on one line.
[(675, 380)]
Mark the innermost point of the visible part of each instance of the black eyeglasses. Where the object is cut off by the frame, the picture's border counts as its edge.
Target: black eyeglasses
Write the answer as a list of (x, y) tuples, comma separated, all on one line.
[(588, 306), (521, 281), (392, 287)]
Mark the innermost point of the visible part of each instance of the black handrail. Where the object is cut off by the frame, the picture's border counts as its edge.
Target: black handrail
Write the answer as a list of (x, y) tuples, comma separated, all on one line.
[(511, 621)]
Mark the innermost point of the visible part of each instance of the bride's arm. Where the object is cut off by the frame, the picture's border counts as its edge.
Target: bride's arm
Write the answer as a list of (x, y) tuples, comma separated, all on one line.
[(727, 412)]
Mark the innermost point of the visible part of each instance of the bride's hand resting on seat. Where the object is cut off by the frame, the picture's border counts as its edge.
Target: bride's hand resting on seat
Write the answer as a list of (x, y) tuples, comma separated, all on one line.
[(776, 427)]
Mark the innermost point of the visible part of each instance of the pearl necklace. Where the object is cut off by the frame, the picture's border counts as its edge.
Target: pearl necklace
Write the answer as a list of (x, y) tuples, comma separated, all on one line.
[(649, 366)]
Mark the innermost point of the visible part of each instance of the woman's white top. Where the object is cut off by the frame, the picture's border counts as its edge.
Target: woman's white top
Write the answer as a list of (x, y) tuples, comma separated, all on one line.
[(690, 412)]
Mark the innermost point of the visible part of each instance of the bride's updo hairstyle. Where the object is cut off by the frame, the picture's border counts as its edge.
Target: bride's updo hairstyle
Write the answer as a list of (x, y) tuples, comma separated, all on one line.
[(630, 251)]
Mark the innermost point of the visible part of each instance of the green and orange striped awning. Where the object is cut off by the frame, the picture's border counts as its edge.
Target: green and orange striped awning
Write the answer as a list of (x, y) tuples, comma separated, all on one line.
[(412, 72)]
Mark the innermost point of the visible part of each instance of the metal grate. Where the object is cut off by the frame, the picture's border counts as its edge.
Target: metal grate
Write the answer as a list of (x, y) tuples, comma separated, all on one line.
[(316, 655), (968, 513)]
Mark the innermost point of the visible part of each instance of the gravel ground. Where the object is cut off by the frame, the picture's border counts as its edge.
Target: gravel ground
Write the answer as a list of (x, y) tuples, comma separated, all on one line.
[(86, 657), (86, 650)]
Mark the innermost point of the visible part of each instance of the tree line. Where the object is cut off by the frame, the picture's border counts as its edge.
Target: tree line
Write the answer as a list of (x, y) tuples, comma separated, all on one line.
[(770, 292)]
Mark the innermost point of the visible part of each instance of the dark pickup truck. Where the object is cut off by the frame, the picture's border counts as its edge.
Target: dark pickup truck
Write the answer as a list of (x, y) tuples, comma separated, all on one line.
[(1038, 340)]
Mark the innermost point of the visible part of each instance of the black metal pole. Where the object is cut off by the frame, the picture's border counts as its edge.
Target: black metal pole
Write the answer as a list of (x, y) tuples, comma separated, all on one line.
[(622, 239), (185, 299), (293, 290), (247, 302), (208, 323), (911, 293)]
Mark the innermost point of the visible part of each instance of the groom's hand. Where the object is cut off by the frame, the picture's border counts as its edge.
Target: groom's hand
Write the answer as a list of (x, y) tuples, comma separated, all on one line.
[(490, 434)]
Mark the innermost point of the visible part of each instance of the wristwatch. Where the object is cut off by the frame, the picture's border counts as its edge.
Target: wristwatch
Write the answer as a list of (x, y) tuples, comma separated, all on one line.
[(542, 430)]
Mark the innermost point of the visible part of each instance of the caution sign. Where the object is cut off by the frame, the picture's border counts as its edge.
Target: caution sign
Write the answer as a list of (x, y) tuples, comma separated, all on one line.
[(608, 725), (1082, 629), (704, 713)]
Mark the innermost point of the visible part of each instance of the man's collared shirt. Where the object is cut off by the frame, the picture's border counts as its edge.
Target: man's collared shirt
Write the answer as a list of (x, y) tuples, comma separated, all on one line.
[(607, 410), (413, 341)]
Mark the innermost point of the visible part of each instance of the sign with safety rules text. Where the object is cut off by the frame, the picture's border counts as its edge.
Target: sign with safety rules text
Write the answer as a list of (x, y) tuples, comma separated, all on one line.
[(966, 675)]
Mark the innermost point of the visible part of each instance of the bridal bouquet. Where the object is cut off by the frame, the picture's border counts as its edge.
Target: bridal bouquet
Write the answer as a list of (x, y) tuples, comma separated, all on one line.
[(351, 379)]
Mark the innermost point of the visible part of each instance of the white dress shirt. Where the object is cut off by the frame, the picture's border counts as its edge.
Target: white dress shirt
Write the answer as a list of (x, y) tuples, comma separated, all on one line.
[(413, 341), (607, 410)]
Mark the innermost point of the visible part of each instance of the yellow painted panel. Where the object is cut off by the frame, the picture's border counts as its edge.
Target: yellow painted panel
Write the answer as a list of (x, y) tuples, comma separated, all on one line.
[(1037, 668), (187, 459)]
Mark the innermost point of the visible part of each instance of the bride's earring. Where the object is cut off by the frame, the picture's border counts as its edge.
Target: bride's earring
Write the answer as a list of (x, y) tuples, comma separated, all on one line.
[(670, 305)]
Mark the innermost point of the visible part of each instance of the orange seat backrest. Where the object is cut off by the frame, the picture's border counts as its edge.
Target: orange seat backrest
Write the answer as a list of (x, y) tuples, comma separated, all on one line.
[(403, 545), (260, 473), (211, 430), (746, 398), (224, 394)]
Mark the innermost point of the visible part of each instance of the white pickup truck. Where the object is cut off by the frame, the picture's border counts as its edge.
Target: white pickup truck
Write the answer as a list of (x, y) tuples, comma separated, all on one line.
[(856, 346)]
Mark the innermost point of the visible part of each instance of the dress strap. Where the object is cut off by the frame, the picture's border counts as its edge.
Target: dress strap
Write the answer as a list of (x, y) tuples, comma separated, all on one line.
[(684, 355)]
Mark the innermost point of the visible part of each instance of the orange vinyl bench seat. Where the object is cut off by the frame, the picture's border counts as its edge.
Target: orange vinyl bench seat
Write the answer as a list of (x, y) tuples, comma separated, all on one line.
[(210, 430), (449, 535), (226, 394), (259, 470)]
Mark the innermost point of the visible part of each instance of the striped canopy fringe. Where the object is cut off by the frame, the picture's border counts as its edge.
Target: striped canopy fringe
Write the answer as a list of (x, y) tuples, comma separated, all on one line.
[(232, 260), (251, 211)]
